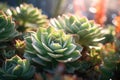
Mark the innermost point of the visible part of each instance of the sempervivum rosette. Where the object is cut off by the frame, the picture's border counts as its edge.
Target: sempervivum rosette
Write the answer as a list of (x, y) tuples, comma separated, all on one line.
[(16, 69), (49, 47), (7, 28), (86, 32), (27, 16)]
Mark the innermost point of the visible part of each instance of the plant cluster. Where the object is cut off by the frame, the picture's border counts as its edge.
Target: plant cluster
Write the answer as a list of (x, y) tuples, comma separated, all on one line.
[(33, 47)]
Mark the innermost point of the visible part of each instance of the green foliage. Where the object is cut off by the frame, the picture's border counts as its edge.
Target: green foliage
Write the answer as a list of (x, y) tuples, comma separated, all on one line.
[(7, 28), (27, 16), (16, 68), (48, 47), (85, 32)]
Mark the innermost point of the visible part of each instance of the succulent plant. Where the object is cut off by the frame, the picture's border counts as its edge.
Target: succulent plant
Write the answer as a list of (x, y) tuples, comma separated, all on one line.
[(49, 47), (26, 15), (86, 32), (20, 44), (7, 28), (19, 47), (16, 68)]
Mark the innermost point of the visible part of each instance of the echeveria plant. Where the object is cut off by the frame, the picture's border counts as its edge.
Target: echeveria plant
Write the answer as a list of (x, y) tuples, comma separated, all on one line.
[(49, 47)]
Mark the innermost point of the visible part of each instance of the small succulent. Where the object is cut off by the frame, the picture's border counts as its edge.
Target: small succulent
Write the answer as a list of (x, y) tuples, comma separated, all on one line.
[(19, 44), (20, 47), (16, 68), (86, 32), (7, 28), (49, 47), (26, 15)]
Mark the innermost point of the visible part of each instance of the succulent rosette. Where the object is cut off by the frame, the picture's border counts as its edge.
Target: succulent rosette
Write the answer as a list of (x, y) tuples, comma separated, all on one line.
[(16, 68), (49, 47), (85, 32), (27, 16)]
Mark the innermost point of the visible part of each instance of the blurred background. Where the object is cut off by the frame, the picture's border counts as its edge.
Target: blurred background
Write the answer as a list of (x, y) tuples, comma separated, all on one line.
[(102, 11)]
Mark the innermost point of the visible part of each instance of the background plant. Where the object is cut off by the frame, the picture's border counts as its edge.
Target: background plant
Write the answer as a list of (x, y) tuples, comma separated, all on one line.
[(86, 32), (26, 15)]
